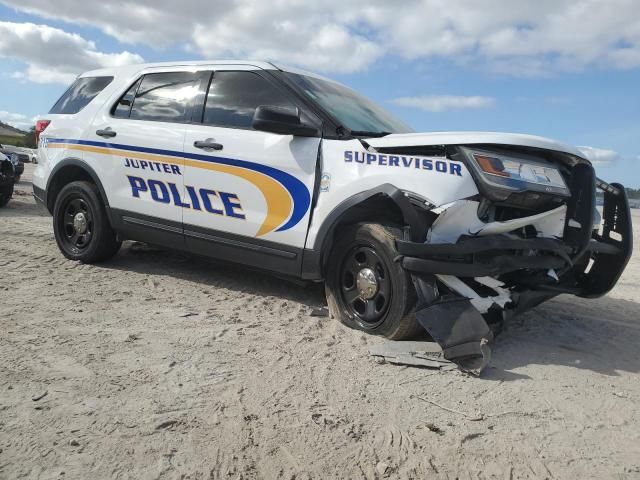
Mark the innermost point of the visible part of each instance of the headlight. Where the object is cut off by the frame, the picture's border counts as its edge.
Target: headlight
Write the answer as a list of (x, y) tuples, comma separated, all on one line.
[(507, 172), (520, 170)]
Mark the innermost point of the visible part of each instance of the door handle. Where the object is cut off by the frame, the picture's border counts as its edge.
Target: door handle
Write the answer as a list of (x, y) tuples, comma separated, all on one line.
[(208, 144), (106, 133)]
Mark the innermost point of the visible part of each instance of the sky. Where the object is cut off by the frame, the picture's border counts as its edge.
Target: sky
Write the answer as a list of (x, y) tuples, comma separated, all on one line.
[(564, 69)]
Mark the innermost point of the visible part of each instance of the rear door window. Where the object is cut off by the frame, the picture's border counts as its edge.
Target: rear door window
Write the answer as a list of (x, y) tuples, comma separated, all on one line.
[(165, 97), (80, 94), (234, 96)]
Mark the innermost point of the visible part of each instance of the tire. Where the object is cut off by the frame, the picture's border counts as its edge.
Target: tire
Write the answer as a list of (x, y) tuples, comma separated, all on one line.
[(367, 251), (81, 226), (7, 182), (6, 194)]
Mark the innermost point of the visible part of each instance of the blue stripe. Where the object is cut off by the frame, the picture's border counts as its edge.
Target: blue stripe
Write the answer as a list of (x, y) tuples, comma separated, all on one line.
[(298, 191)]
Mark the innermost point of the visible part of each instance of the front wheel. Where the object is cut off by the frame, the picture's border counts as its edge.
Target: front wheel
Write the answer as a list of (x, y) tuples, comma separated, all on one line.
[(81, 226), (366, 288)]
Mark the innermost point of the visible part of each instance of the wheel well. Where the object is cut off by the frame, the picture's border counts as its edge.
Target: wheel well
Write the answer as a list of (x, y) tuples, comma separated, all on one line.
[(376, 209), (64, 176)]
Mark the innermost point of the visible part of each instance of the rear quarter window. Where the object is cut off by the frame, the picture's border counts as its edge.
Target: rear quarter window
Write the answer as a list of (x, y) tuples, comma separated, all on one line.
[(164, 97), (80, 94)]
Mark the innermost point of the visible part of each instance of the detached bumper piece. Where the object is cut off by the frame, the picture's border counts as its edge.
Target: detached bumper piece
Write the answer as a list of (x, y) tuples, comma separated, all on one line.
[(417, 354), (452, 321), (461, 332)]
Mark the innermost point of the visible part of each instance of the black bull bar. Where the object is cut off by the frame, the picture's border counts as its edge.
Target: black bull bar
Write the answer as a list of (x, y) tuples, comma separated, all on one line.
[(460, 329)]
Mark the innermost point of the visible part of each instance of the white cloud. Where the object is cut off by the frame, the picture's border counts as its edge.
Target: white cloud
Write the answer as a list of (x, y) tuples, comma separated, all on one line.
[(519, 37), (599, 156), (53, 55), (17, 120), (441, 103)]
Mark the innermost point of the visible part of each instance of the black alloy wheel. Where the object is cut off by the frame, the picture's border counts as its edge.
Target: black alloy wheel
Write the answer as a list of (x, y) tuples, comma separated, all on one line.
[(81, 225), (77, 224), (365, 286)]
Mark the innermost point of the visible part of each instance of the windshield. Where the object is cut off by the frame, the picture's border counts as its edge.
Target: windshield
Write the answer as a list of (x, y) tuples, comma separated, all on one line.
[(350, 109)]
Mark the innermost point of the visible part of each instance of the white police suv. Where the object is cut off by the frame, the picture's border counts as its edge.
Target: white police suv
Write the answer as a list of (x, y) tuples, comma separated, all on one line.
[(294, 173)]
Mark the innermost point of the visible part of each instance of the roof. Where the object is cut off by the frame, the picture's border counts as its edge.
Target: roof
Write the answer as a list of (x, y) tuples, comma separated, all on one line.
[(259, 64), (193, 63)]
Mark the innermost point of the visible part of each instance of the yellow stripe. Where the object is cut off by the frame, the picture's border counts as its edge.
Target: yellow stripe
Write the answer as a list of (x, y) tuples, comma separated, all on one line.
[(121, 153), (277, 197), (278, 200)]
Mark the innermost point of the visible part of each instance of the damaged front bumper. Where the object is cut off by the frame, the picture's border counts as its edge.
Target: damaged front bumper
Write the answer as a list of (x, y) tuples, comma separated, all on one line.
[(491, 272)]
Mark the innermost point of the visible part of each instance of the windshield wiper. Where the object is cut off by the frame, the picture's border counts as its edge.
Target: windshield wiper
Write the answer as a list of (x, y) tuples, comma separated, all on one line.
[(364, 133)]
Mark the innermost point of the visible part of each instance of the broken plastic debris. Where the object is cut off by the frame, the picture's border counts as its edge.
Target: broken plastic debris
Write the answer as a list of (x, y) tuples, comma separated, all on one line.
[(419, 354), (320, 312)]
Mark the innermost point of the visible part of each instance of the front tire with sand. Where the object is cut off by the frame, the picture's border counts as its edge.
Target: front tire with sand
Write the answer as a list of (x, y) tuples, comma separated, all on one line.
[(366, 289)]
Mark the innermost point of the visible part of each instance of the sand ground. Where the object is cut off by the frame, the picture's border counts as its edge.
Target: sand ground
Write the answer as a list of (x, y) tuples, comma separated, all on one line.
[(160, 365)]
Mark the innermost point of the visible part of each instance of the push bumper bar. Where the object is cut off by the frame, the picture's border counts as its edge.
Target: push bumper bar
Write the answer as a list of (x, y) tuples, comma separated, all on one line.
[(482, 256), (609, 248), (588, 263)]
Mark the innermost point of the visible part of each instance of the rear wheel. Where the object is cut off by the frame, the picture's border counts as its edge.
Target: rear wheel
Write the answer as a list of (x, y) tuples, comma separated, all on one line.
[(366, 289), (81, 226)]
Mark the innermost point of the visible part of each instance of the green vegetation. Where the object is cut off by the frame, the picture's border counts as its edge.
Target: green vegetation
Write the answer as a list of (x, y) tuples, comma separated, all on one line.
[(17, 141), (29, 140), (633, 193)]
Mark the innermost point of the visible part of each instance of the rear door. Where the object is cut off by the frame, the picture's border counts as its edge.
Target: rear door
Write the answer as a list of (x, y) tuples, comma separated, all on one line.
[(142, 138), (250, 191)]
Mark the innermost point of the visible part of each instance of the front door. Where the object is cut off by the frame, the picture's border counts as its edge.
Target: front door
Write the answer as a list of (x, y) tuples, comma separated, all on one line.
[(249, 191)]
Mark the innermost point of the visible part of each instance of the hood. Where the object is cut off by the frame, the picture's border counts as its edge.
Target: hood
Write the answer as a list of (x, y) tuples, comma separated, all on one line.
[(470, 138)]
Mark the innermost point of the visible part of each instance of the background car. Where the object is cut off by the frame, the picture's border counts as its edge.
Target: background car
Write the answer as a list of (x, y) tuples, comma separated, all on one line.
[(7, 179), (17, 157)]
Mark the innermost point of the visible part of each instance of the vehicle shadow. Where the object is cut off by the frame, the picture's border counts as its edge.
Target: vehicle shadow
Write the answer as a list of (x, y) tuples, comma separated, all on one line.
[(600, 335), (22, 204), (140, 258)]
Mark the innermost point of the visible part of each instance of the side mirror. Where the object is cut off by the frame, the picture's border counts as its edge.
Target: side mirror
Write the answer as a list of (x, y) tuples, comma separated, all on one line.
[(282, 120)]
